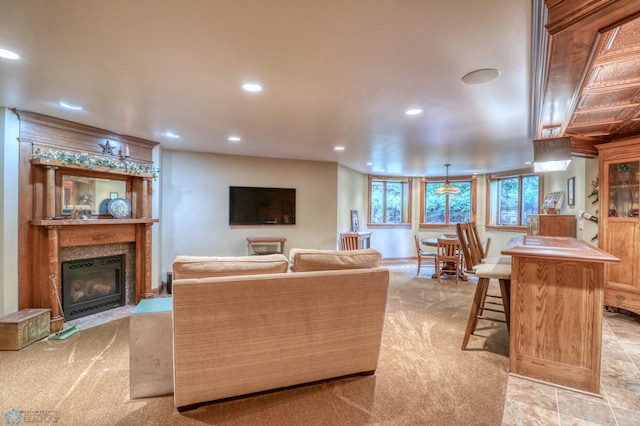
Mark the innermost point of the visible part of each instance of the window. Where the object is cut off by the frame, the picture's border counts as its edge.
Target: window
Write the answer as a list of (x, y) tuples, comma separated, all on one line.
[(512, 198), (440, 209), (389, 201)]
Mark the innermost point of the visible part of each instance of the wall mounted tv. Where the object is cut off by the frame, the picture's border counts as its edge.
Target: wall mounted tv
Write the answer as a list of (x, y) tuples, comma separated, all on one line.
[(250, 205)]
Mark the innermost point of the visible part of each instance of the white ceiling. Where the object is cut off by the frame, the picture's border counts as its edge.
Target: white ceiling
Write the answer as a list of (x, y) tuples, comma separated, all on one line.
[(335, 72)]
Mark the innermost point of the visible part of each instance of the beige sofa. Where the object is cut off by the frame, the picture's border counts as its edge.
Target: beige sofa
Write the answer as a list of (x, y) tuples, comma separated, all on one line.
[(249, 324)]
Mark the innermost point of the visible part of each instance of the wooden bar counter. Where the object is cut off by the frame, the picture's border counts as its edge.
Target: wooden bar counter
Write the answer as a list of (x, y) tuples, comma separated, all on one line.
[(556, 310)]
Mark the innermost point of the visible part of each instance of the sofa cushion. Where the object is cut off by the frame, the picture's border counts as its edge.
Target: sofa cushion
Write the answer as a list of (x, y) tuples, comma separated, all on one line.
[(304, 260), (224, 266)]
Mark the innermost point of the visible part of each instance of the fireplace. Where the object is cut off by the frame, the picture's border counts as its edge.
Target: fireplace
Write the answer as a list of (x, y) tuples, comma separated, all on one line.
[(93, 285), (49, 236)]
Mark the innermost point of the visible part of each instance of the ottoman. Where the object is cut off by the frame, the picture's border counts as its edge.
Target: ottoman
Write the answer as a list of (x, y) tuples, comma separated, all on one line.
[(151, 348)]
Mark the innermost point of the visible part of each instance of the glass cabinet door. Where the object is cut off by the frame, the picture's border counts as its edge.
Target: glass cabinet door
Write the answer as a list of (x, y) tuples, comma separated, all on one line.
[(624, 189)]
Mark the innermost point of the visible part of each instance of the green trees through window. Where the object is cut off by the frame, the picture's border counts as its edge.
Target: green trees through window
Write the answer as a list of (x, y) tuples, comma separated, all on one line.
[(513, 198), (390, 200), (449, 208)]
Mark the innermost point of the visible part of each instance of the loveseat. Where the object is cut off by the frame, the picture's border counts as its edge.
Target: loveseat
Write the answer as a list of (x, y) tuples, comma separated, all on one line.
[(254, 323)]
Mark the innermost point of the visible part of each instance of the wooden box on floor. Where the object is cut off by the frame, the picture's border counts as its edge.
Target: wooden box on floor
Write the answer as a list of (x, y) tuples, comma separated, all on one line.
[(22, 328)]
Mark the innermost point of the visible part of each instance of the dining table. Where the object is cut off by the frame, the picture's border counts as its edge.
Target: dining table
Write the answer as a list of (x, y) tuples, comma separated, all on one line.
[(433, 242)]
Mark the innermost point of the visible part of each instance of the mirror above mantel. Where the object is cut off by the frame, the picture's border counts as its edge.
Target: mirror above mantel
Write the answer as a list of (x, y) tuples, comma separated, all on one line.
[(90, 193)]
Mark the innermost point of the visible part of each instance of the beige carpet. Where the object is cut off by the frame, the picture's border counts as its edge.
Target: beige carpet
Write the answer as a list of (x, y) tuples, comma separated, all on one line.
[(423, 377)]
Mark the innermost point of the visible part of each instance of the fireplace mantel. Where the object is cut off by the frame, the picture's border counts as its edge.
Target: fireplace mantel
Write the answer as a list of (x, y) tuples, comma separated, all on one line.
[(89, 222), (44, 229)]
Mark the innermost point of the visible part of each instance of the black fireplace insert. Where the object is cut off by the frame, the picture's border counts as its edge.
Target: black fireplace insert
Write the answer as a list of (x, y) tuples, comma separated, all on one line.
[(90, 286)]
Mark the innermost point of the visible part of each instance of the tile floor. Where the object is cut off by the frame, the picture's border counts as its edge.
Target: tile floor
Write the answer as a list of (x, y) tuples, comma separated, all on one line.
[(532, 403)]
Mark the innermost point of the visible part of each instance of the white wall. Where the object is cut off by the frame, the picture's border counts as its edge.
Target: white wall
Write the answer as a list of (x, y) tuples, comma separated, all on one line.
[(9, 160), (585, 171), (352, 195), (195, 203), (156, 229)]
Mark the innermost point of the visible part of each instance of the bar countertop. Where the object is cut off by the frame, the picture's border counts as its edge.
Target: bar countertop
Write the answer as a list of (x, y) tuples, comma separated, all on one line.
[(556, 248)]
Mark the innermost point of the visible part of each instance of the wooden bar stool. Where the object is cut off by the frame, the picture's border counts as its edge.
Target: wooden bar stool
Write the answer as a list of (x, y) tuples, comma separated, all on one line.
[(501, 304)]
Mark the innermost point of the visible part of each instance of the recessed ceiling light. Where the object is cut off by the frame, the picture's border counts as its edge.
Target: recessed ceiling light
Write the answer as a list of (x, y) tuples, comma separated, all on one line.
[(338, 148), (69, 105), (252, 87), (413, 111), (7, 54), (481, 76), (369, 163), (171, 134), (234, 138)]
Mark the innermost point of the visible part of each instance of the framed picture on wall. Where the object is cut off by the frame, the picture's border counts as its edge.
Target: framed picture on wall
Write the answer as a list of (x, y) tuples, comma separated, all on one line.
[(571, 191), (552, 202), (355, 225)]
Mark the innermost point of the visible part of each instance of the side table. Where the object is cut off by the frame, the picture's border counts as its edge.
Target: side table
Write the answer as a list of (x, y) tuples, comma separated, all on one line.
[(151, 348), (265, 245)]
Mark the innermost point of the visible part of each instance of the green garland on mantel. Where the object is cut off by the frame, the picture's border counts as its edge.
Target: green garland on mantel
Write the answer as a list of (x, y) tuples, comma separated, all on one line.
[(88, 161)]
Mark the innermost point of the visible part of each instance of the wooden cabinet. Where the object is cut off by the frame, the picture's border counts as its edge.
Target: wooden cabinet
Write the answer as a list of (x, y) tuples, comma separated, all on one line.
[(551, 225), (556, 310), (619, 225)]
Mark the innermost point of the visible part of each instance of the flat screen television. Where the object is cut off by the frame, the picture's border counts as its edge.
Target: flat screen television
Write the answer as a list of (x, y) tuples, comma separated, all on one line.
[(250, 205)]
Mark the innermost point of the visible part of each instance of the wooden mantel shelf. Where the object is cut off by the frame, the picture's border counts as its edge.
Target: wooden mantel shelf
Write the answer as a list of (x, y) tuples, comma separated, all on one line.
[(45, 162), (84, 222)]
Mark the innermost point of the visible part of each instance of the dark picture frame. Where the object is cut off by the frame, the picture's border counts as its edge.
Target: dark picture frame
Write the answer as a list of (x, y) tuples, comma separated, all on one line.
[(355, 223), (571, 191)]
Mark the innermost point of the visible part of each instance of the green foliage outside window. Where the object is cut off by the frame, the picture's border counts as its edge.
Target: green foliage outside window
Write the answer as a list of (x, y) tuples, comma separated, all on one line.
[(518, 194), (377, 201), (530, 191), (459, 209), (388, 201)]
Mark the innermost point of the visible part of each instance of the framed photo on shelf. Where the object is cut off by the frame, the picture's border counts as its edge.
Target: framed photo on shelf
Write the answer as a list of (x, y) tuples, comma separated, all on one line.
[(355, 227), (571, 191), (553, 202)]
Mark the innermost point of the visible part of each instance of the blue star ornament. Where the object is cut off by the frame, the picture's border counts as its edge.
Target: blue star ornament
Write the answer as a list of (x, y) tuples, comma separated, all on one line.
[(107, 148)]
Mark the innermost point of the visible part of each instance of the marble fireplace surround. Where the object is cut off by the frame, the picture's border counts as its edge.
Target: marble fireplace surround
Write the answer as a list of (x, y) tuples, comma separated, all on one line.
[(93, 252)]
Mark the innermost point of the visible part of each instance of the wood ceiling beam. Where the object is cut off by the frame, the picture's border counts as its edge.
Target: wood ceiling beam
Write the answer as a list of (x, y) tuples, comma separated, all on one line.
[(575, 46)]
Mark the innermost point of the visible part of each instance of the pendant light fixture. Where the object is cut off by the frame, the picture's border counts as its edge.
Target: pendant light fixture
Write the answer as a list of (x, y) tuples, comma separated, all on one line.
[(447, 188)]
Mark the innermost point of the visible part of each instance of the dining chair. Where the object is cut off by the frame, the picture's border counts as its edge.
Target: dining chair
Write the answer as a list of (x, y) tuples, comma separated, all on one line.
[(483, 301), (483, 247), (448, 257), (349, 241), (471, 252), (423, 255)]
